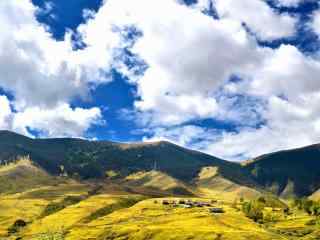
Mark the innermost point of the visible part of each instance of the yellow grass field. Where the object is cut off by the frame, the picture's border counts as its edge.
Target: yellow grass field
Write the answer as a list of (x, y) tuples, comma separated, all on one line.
[(147, 219), (69, 210)]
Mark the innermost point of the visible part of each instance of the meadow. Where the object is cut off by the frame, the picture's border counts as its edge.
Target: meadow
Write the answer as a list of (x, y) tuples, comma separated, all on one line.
[(129, 216), (144, 206)]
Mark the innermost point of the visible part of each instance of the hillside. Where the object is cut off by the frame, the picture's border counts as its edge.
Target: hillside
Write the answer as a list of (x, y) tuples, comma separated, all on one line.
[(93, 159), (139, 191), (159, 182), (288, 173), (315, 196), (23, 175), (210, 184)]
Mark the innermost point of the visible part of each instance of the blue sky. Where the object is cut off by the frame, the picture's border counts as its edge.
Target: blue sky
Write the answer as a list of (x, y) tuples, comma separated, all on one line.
[(232, 79)]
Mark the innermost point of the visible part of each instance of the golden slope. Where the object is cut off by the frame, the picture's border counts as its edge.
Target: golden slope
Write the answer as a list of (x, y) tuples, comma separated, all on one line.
[(211, 184), (158, 180), (150, 220), (23, 175), (315, 196)]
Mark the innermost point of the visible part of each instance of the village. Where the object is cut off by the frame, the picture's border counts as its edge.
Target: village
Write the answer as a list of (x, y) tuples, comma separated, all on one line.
[(193, 204)]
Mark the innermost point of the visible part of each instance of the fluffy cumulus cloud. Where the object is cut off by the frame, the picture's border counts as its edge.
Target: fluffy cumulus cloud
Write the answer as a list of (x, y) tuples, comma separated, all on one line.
[(287, 71), (186, 135), (316, 22), (5, 112), (36, 68), (289, 125), (192, 57), (185, 53), (259, 17), (290, 3), (41, 72), (59, 121), (186, 65)]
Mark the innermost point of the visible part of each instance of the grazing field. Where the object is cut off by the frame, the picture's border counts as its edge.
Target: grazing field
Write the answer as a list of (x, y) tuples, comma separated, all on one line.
[(136, 217), (146, 206), (150, 219)]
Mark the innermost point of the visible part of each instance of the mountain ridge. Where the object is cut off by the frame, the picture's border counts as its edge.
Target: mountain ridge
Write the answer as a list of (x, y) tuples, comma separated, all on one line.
[(53, 152), (287, 173)]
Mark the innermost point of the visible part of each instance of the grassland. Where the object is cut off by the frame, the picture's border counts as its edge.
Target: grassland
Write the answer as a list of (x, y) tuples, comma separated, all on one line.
[(149, 219), (64, 209), (119, 217)]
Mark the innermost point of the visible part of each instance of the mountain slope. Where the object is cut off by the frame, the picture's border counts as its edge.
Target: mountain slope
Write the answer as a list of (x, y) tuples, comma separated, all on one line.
[(210, 184), (92, 159), (23, 175), (288, 173), (158, 181)]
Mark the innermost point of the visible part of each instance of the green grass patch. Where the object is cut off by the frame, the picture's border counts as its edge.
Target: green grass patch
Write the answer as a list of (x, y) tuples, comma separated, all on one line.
[(54, 207), (122, 203)]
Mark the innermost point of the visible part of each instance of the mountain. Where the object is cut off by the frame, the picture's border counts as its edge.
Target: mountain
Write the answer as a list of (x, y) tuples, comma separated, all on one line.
[(77, 189), (288, 173), (95, 159)]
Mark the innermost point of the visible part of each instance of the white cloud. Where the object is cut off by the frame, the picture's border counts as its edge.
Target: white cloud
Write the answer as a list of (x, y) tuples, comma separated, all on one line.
[(187, 135), (37, 69), (284, 124), (181, 79), (185, 53), (177, 109), (289, 125), (286, 71), (291, 3), (44, 74), (259, 17), (60, 121), (190, 59), (5, 113), (203, 4), (316, 22)]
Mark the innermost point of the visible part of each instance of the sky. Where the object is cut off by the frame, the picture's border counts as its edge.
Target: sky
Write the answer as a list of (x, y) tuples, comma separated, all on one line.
[(235, 79)]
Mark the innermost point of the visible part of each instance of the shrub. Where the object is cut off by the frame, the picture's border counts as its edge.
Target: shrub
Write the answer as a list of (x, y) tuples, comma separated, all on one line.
[(270, 217), (17, 226), (309, 206), (316, 209), (253, 210), (311, 222)]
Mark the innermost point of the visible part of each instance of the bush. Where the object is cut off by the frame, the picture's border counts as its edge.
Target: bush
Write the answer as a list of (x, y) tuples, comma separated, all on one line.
[(270, 217), (311, 222), (316, 209), (309, 206), (17, 226), (253, 210)]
